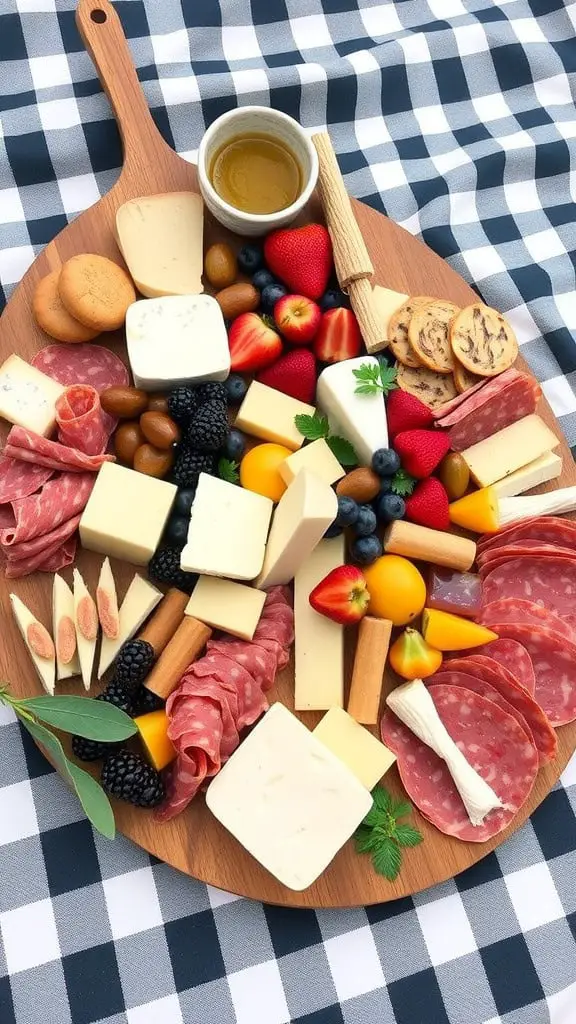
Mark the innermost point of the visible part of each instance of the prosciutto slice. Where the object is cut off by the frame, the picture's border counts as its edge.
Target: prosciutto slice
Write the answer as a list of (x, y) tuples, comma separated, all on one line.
[(26, 446)]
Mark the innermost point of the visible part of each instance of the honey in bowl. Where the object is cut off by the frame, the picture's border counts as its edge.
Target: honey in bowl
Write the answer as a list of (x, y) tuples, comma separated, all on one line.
[(256, 174)]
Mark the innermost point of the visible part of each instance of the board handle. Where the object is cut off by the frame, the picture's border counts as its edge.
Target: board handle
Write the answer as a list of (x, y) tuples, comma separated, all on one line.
[(104, 39)]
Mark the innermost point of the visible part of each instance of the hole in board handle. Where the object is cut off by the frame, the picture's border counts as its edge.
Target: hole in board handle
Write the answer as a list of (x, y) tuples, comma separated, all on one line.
[(98, 16)]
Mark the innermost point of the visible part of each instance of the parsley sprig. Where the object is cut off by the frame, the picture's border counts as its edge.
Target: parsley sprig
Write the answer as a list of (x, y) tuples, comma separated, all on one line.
[(402, 483), (373, 378), (228, 471), (315, 427), (382, 835)]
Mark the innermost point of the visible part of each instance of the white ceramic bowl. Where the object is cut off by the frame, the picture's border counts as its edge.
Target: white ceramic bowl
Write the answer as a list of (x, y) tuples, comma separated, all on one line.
[(268, 122)]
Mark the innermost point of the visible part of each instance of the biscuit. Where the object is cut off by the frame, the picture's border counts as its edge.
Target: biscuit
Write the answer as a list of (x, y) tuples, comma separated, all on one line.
[(429, 334), (53, 317), (483, 340), (398, 330), (463, 379), (431, 388), (96, 291)]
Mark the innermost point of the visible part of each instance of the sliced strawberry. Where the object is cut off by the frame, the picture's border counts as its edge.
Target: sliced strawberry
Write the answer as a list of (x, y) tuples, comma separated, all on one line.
[(338, 336), (253, 343), (342, 595)]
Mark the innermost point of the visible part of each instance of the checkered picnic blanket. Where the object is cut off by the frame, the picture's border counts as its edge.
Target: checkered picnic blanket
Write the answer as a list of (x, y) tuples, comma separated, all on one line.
[(456, 117)]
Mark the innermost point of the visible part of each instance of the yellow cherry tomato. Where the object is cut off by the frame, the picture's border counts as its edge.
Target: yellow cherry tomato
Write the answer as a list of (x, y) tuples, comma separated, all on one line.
[(397, 590), (412, 658), (260, 472)]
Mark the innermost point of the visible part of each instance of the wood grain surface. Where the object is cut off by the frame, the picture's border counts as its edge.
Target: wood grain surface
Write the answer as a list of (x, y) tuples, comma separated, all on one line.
[(194, 842)]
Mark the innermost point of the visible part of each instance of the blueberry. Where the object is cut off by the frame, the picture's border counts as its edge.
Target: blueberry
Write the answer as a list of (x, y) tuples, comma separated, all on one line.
[(385, 488), (235, 445), (184, 499), (333, 530), (390, 506), (332, 299), (366, 550), (271, 294), (176, 531), (347, 511), (385, 462), (236, 388), (262, 278), (366, 521), (250, 258)]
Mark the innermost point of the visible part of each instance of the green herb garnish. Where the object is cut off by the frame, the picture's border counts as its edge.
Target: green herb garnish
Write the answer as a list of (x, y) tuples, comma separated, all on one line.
[(382, 836), (316, 427), (228, 470), (402, 483), (372, 379)]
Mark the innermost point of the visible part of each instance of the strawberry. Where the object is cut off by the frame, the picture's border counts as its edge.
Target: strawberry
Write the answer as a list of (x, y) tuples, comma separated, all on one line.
[(294, 374), (298, 318), (421, 450), (342, 595), (406, 412), (253, 343), (338, 336), (301, 258), (428, 505)]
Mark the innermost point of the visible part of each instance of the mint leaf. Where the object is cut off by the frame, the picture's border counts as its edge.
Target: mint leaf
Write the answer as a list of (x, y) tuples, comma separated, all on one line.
[(407, 835), (402, 483), (366, 840), (312, 427), (400, 809), (228, 470), (82, 716), (387, 859), (342, 450), (382, 799)]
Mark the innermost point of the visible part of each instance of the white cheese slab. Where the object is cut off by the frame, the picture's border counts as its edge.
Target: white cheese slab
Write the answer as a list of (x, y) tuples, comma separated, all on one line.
[(359, 418), (45, 667), (319, 642), (139, 602), (546, 467), (27, 396), (226, 605), (63, 608)]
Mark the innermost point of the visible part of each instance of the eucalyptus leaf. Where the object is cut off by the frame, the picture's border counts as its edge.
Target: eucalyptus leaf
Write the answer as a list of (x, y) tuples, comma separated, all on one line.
[(82, 716)]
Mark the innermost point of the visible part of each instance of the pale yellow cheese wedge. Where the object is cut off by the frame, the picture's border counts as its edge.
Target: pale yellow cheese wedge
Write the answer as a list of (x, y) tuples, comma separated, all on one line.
[(160, 238)]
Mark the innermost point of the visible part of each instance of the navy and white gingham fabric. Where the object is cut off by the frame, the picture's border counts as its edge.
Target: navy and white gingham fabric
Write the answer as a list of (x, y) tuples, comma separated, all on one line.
[(457, 118)]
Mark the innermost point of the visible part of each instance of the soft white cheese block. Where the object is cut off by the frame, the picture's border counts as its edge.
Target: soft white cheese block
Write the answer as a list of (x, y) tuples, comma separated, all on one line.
[(177, 339), (139, 602), (547, 467), (289, 801), (45, 667), (126, 514), (414, 706), (305, 511), (228, 530), (360, 418), (86, 647), (63, 609), (27, 396), (319, 642), (226, 605)]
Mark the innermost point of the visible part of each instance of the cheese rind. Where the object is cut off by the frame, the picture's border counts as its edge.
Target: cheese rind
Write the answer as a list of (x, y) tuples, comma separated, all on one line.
[(175, 340), (63, 606), (269, 414), (27, 396), (139, 602), (360, 418), (126, 514), (318, 458), (45, 667), (355, 746), (228, 530), (305, 511), (86, 648), (540, 471), (510, 449), (289, 801), (386, 302), (319, 642), (552, 503), (232, 607), (160, 238)]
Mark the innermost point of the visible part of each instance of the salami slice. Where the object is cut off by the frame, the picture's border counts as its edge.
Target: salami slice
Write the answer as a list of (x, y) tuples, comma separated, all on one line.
[(546, 529), (19, 479), (450, 677), (525, 613), (554, 661), (36, 545), (61, 557), (491, 741), (80, 420), (447, 408), (26, 446), (83, 364), (494, 557), (56, 551), (60, 499), (550, 582), (511, 656), (497, 404)]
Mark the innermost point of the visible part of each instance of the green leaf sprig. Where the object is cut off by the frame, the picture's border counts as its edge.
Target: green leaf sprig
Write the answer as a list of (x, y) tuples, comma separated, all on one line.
[(402, 483), (81, 716), (316, 427), (228, 471), (375, 378), (382, 835)]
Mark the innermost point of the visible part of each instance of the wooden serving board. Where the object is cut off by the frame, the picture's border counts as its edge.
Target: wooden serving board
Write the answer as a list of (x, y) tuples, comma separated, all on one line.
[(194, 842)]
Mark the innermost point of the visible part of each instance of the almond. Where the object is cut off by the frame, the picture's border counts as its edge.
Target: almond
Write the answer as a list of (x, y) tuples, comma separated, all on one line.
[(362, 484)]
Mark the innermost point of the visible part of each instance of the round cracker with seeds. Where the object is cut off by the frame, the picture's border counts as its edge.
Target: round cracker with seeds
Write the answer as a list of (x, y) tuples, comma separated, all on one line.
[(398, 330), (429, 334), (432, 388), (463, 379), (483, 340)]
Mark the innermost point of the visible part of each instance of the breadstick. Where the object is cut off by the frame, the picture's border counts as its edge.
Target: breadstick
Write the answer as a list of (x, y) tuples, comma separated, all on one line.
[(184, 647), (369, 664)]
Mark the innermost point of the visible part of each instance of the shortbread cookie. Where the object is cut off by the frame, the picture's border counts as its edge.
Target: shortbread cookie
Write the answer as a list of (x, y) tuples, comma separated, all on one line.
[(463, 379), (429, 334), (398, 330), (483, 340), (53, 317), (96, 291), (431, 388)]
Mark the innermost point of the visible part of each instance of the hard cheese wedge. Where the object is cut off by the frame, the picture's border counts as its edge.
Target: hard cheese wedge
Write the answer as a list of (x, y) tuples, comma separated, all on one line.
[(289, 801), (305, 511), (319, 642), (139, 602), (509, 450), (360, 418), (86, 622), (386, 302), (64, 630), (316, 457), (269, 414), (45, 667), (27, 396), (547, 467), (355, 746), (160, 238), (225, 605), (107, 601), (228, 530)]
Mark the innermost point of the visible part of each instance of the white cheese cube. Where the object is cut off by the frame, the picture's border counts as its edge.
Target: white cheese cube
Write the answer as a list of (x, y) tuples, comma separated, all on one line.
[(45, 667), (231, 607), (139, 602), (360, 418), (319, 642), (63, 621), (316, 457), (126, 514), (228, 530), (27, 396), (289, 801), (269, 414), (305, 511), (177, 339), (364, 755)]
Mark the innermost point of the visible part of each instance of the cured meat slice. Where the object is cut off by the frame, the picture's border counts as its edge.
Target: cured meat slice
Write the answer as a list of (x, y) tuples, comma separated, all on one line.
[(27, 446), (62, 556), (19, 479), (80, 420), (36, 545), (60, 499), (57, 551), (550, 582), (488, 409), (491, 740), (554, 661), (511, 656), (450, 677), (546, 529), (83, 364), (511, 609), (447, 408), (521, 549)]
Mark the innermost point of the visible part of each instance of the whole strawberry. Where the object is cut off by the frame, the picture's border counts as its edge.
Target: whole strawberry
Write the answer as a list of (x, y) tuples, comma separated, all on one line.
[(301, 258), (428, 505), (342, 595), (406, 412), (421, 450), (294, 374)]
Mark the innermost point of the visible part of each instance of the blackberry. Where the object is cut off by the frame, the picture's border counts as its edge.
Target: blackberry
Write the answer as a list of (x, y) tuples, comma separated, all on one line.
[(164, 567), (182, 403), (133, 664), (145, 701), (212, 391), (189, 464), (93, 750), (208, 428), (129, 777)]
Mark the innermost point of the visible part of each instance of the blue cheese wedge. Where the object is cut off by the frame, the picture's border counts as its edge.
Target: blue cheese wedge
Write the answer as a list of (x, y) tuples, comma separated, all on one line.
[(64, 629), (288, 799), (139, 602), (360, 418), (86, 623), (38, 643), (27, 396)]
